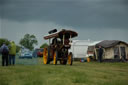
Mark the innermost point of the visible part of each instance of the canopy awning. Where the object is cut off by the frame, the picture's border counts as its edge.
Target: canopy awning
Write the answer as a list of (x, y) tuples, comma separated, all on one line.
[(61, 33)]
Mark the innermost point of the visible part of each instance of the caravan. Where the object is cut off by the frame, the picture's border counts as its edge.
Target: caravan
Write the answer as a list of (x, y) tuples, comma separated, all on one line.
[(79, 48)]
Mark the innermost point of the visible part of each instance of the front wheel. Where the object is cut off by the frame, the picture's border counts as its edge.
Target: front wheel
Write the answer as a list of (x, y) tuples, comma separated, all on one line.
[(55, 57)]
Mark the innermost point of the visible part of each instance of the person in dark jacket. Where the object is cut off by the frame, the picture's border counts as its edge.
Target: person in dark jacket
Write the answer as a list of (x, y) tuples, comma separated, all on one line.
[(100, 54), (4, 51)]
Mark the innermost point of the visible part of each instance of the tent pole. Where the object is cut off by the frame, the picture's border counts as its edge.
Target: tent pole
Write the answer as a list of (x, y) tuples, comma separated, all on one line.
[(120, 52), (95, 53), (103, 53)]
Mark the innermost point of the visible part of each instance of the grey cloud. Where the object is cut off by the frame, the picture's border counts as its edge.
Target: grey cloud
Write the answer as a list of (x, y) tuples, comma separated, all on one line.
[(75, 13), (103, 34), (14, 30)]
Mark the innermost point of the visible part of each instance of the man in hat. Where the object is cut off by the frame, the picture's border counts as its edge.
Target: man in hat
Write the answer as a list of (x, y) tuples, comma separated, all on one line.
[(100, 54)]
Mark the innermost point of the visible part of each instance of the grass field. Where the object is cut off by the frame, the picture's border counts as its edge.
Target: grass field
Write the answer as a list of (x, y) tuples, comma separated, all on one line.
[(92, 73)]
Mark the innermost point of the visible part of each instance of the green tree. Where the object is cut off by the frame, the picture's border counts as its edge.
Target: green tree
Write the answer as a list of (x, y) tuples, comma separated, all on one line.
[(44, 45), (28, 41), (2, 40)]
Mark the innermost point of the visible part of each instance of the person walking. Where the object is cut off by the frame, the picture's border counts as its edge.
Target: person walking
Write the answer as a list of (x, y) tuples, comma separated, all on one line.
[(12, 53), (100, 54), (4, 51)]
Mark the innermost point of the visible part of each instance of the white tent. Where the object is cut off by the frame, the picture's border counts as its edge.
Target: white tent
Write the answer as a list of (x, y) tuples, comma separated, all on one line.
[(79, 47)]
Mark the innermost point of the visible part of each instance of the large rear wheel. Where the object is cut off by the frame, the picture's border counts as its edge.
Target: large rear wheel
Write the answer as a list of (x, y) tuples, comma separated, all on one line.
[(70, 58), (46, 56)]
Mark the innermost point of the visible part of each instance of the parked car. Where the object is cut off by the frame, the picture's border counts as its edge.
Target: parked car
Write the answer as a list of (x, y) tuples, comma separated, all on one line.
[(27, 54), (35, 53), (40, 52)]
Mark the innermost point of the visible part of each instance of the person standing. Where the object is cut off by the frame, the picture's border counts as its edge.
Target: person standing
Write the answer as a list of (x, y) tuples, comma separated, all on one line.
[(100, 54), (4, 51), (12, 53)]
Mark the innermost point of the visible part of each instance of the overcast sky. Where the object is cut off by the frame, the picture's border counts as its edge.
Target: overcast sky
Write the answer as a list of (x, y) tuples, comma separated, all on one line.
[(92, 19)]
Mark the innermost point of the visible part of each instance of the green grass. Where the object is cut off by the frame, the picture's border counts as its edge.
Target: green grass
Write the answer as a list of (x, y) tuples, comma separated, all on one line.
[(92, 73)]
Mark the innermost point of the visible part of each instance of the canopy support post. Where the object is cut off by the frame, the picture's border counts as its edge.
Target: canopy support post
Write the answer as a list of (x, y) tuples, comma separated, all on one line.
[(70, 38), (49, 41), (63, 39)]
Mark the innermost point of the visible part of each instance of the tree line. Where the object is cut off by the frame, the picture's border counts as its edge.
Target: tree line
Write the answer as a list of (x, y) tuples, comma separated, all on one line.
[(28, 41)]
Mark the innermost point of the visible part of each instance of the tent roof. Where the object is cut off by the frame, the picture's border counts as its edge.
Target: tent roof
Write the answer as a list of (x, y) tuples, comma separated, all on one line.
[(109, 43), (94, 43)]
